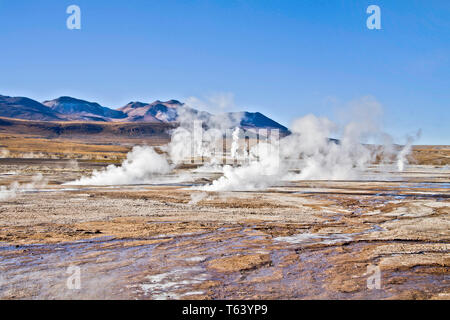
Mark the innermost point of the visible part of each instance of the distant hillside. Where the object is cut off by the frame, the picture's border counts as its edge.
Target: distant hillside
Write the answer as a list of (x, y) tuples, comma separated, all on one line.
[(258, 120), (25, 108), (72, 109), (111, 131), (77, 109), (157, 111)]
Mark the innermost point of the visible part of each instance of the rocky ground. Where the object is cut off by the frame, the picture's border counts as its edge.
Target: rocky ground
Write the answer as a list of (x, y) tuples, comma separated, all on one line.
[(299, 240)]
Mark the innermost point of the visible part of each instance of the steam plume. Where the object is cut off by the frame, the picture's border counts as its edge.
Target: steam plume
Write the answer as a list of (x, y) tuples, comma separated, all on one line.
[(142, 164), (406, 150), (307, 153), (7, 193)]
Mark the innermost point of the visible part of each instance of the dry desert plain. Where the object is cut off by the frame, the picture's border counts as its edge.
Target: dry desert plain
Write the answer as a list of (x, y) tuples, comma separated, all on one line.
[(298, 240)]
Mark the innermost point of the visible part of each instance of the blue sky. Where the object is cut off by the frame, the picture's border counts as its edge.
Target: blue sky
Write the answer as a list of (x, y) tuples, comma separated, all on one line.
[(282, 58)]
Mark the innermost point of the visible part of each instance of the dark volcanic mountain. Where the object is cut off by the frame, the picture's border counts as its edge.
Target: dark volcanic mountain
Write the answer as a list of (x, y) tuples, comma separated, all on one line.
[(258, 120), (25, 108), (77, 109), (168, 112)]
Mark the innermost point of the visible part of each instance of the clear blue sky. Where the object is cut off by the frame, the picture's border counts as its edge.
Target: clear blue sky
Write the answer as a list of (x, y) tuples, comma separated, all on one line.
[(283, 58)]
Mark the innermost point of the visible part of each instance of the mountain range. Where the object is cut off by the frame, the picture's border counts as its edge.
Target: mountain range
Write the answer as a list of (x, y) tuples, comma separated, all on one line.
[(73, 109)]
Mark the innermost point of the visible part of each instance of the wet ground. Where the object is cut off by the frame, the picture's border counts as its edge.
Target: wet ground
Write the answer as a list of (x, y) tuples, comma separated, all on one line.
[(380, 238)]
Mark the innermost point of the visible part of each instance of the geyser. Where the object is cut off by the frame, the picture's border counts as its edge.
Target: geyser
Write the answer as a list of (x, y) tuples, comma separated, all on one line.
[(264, 159)]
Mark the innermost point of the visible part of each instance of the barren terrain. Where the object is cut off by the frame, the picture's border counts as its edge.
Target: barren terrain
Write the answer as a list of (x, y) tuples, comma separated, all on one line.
[(298, 240)]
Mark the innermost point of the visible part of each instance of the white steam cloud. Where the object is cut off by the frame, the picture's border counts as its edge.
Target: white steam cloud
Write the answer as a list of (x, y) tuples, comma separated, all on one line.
[(141, 165), (307, 153), (197, 197), (406, 150), (199, 134), (255, 175), (10, 192), (235, 143)]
